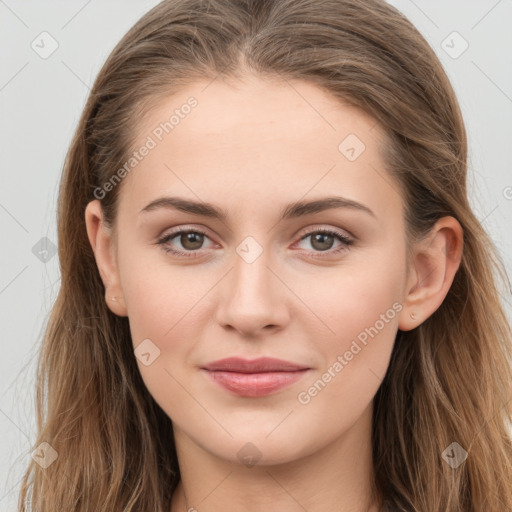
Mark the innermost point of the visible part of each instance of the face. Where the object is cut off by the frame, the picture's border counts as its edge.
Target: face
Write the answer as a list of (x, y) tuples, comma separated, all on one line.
[(321, 288)]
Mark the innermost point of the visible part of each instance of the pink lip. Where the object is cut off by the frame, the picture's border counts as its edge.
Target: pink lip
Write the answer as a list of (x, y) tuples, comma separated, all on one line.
[(258, 377)]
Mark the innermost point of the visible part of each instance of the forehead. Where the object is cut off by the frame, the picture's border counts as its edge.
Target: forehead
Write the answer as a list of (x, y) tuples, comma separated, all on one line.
[(257, 139), (231, 111)]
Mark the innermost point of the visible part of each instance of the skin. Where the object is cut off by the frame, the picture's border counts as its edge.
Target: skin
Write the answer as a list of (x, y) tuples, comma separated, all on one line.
[(252, 147)]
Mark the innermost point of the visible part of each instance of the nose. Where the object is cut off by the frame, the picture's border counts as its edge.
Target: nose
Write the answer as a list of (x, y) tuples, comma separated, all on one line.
[(252, 298)]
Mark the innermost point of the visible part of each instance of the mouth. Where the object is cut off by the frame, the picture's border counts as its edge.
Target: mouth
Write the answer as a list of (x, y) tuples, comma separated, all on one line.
[(254, 378)]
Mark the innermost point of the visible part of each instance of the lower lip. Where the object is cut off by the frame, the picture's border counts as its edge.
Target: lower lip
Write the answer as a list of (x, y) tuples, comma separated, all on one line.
[(255, 384)]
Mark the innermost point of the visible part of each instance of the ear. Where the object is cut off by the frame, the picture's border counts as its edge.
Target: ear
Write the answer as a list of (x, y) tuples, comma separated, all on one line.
[(102, 243), (435, 261)]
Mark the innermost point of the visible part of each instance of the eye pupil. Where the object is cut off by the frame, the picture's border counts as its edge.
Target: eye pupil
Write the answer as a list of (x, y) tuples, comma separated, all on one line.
[(320, 237)]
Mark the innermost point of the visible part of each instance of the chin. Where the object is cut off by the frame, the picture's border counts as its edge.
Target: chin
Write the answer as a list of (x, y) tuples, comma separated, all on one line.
[(254, 448)]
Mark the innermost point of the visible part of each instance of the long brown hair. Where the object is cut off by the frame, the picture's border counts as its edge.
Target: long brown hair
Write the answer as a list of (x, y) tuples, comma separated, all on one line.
[(449, 380)]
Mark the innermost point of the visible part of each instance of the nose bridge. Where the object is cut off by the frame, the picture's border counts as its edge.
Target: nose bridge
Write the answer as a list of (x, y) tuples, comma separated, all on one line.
[(251, 279)]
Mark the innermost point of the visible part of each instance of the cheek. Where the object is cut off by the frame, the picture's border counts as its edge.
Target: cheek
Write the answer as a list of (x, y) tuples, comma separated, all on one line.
[(166, 312), (359, 310), (355, 361), (158, 296), (352, 298), (160, 305)]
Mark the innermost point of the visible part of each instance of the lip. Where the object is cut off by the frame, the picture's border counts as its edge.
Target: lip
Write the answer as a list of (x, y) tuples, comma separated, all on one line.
[(254, 378), (260, 365)]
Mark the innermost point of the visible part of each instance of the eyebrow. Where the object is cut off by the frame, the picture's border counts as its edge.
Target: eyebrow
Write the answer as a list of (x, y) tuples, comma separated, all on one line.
[(291, 211)]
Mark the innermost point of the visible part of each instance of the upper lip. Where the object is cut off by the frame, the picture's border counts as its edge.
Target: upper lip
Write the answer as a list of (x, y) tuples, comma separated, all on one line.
[(260, 365)]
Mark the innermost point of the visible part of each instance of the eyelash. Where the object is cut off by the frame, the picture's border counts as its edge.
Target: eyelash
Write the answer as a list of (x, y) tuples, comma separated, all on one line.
[(345, 242)]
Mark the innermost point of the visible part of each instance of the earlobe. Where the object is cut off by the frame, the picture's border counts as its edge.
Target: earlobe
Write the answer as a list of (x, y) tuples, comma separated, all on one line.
[(435, 262), (101, 241)]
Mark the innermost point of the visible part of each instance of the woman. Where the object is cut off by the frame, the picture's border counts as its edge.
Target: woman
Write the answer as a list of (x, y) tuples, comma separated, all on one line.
[(274, 292)]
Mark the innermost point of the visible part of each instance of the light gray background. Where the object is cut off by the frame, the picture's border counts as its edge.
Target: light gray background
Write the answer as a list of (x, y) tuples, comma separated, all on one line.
[(41, 100)]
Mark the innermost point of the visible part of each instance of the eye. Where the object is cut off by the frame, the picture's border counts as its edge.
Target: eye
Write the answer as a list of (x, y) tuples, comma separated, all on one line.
[(192, 240), (322, 240)]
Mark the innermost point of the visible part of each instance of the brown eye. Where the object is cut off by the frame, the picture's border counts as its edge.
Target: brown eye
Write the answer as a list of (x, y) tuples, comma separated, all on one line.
[(322, 241), (186, 242), (191, 240)]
